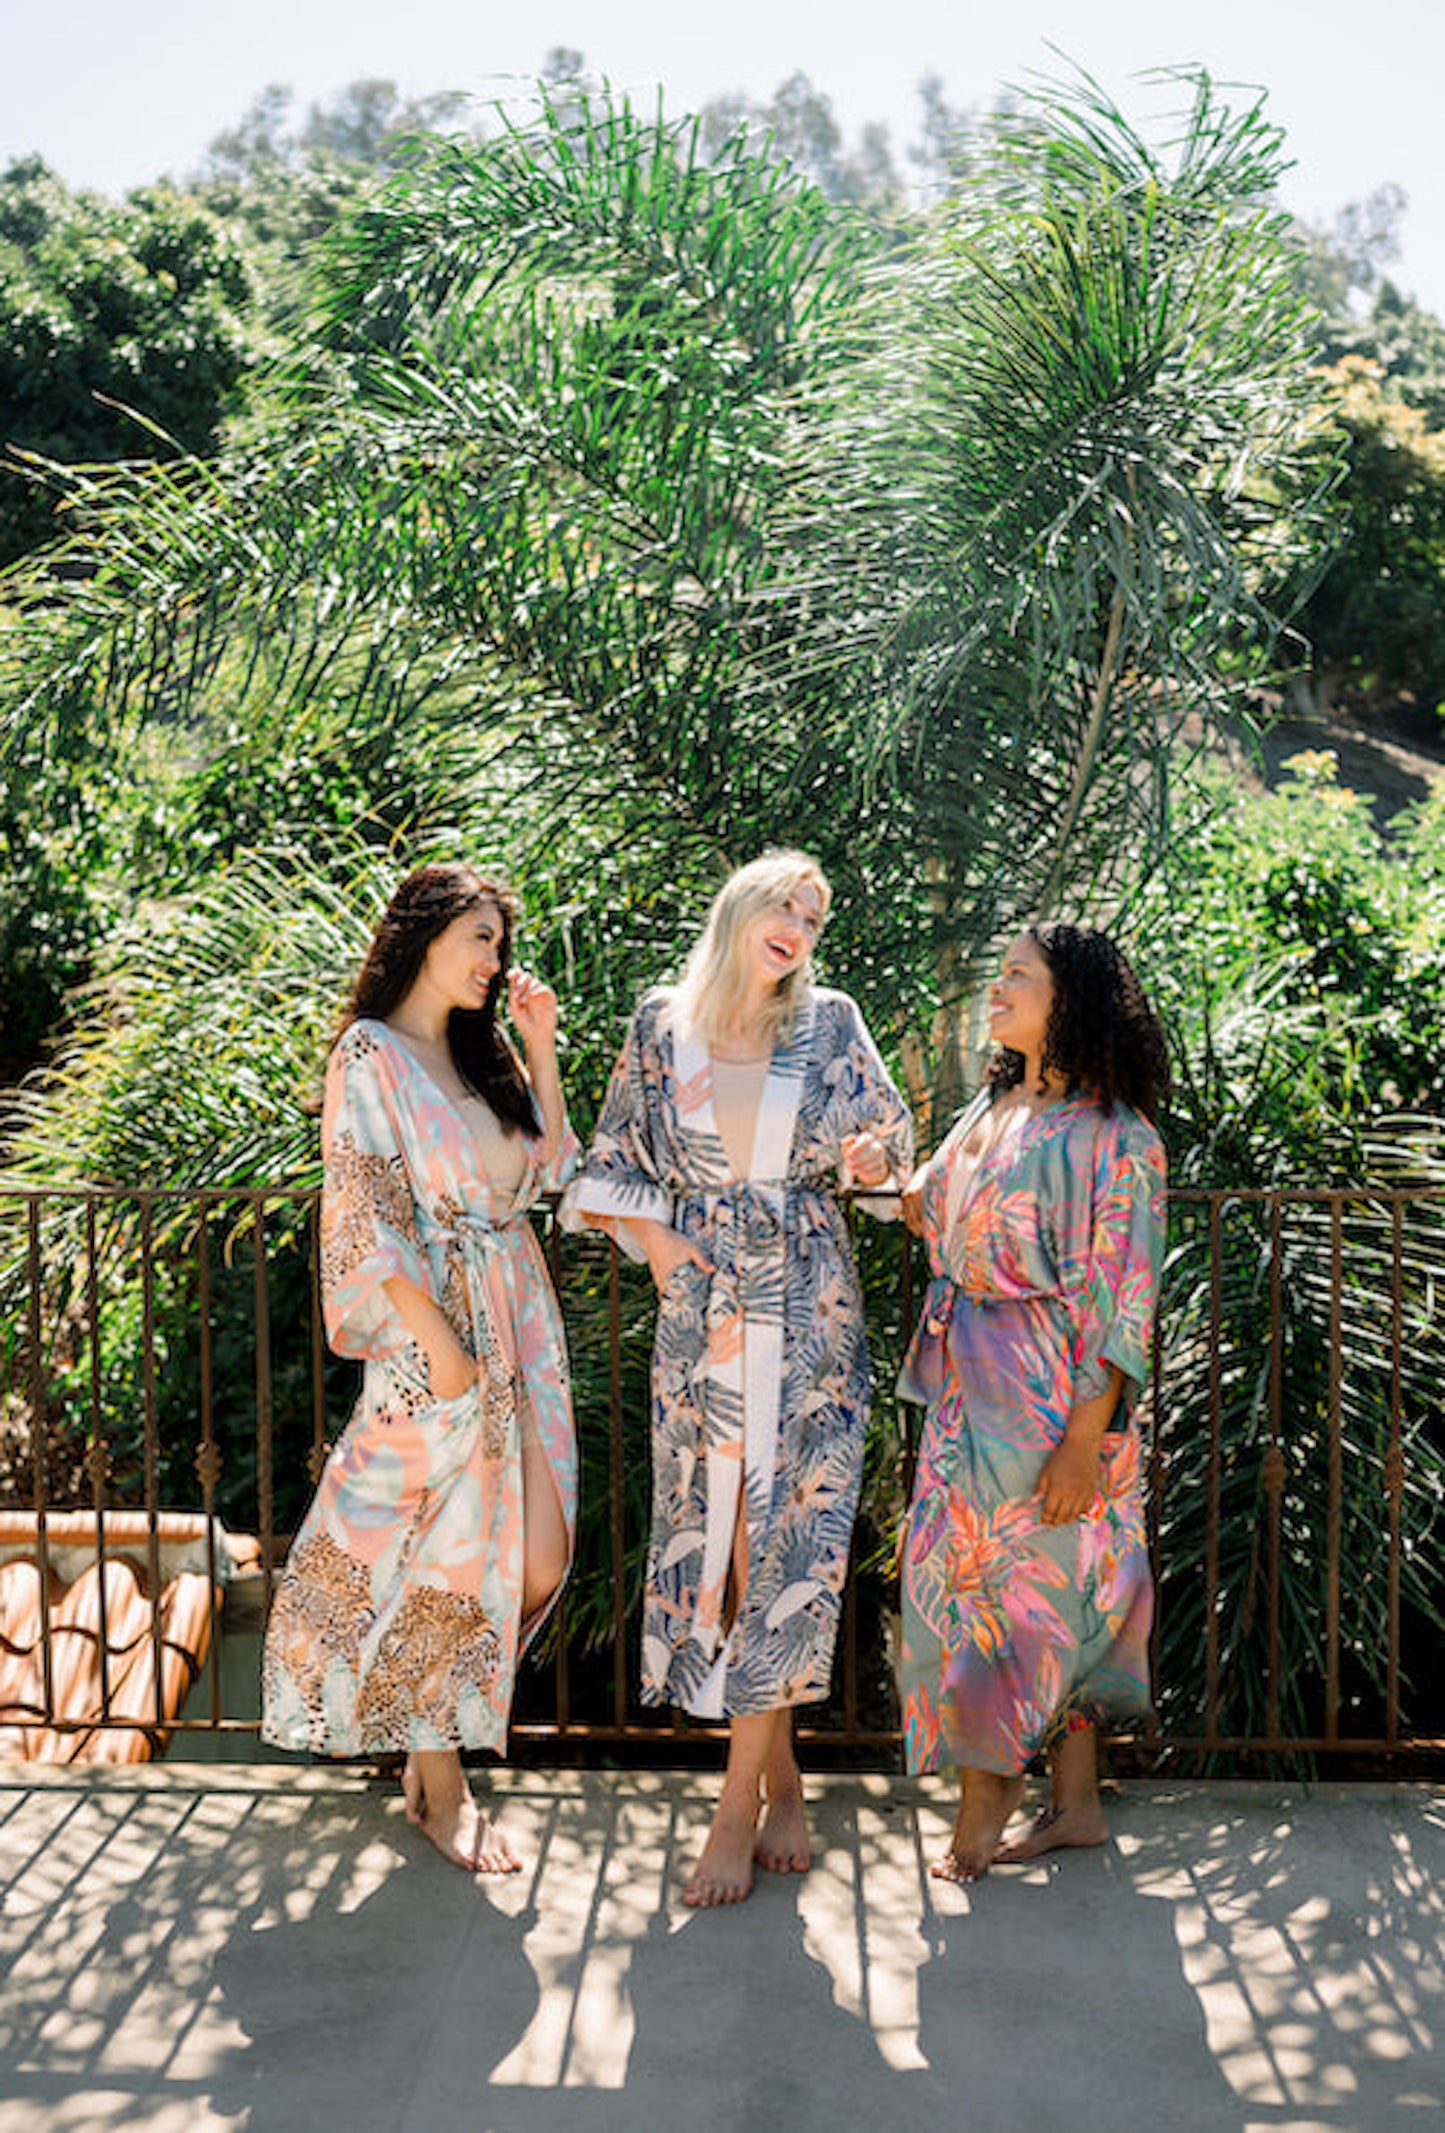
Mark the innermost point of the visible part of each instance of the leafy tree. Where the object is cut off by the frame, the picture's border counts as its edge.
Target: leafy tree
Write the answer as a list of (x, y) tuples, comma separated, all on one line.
[(367, 123), (944, 133), (108, 314), (1296, 955), (1369, 629), (1346, 259), (800, 127), (1374, 623)]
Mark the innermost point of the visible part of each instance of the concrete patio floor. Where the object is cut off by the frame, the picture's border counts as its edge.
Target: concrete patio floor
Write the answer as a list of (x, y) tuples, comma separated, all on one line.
[(205, 1946)]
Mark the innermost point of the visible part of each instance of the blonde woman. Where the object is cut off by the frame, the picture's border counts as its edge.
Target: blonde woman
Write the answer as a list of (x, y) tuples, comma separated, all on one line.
[(743, 1100)]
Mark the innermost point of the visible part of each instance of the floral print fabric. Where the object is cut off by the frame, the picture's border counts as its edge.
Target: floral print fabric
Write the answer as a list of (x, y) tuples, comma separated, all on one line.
[(1045, 1272), (760, 1367), (396, 1623)]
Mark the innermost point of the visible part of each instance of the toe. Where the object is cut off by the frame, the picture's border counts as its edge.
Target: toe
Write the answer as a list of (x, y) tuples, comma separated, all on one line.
[(958, 1867)]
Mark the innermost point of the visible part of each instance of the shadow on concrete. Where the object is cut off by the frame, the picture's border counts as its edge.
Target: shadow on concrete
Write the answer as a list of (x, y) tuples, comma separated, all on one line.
[(1311, 1922), (277, 1950)]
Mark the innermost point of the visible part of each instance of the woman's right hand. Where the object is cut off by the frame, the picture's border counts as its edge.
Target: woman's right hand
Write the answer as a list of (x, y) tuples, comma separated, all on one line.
[(667, 1249), (913, 1200)]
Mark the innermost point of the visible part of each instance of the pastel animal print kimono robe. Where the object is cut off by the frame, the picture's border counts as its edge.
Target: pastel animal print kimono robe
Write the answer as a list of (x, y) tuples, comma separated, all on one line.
[(760, 1367), (396, 1623), (1045, 1273)]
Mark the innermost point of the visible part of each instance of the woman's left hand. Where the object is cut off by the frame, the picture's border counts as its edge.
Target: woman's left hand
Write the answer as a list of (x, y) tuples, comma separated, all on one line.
[(913, 1201), (532, 1005), (865, 1161), (1068, 1482)]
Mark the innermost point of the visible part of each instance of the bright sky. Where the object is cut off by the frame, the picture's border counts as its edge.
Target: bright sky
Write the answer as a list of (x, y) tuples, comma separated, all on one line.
[(114, 92)]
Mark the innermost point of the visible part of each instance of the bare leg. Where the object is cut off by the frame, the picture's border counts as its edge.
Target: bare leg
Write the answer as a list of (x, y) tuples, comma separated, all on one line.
[(434, 1786), (724, 1873), (783, 1839), (439, 1801), (985, 1802), (544, 1530), (1074, 1815)]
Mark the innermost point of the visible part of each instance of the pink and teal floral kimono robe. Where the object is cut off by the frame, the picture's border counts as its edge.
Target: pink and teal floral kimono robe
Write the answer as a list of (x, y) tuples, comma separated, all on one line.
[(760, 1367), (396, 1623), (1045, 1273)]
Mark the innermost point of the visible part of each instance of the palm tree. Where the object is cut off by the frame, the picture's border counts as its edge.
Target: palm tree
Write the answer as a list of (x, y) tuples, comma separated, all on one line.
[(712, 516)]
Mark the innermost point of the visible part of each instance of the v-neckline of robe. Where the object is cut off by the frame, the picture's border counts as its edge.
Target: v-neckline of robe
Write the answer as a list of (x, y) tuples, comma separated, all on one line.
[(775, 1093), (469, 1139), (1050, 1114)]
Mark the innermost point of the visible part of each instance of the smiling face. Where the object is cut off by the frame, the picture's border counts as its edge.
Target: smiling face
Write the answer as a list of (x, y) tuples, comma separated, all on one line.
[(1020, 999), (780, 939), (463, 960)]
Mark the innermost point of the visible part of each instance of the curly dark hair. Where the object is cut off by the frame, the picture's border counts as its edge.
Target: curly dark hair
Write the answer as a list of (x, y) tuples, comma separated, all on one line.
[(1102, 1035), (424, 906)]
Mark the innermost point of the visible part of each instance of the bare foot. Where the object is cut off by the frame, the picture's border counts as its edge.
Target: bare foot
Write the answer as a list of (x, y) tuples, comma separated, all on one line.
[(462, 1832), (724, 1873), (782, 1842), (988, 1801), (1056, 1829)]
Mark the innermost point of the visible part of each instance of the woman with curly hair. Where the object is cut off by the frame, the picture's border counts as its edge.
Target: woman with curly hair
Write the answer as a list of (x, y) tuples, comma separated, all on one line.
[(1027, 1595), (442, 1527)]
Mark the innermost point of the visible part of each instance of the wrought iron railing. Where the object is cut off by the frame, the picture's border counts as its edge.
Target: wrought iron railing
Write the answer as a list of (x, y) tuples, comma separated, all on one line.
[(161, 1353)]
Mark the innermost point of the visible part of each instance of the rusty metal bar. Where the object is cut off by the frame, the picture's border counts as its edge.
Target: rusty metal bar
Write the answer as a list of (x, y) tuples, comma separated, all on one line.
[(1154, 1494), (561, 1676), (1274, 1469), (316, 1457), (616, 1465), (152, 1448), (208, 1457), (1394, 1476), (1213, 1469), (97, 1459), (1334, 1528), (261, 1333), (1287, 1744), (850, 1650), (604, 1732), (39, 1449), (270, 1195)]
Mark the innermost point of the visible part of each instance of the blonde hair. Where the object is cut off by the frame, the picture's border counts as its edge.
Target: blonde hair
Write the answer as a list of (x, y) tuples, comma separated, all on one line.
[(714, 980)]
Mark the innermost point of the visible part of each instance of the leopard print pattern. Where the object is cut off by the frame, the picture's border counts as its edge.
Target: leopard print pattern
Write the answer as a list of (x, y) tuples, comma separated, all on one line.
[(322, 1614), (437, 1645), (364, 1189)]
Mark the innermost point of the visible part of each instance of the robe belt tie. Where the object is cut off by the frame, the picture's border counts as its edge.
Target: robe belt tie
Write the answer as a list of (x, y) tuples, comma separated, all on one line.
[(749, 1209), (477, 1235), (938, 1304)]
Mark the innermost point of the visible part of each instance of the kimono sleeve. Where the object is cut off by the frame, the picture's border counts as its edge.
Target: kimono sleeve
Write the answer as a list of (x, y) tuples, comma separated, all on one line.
[(875, 1106), (368, 1207), (620, 1174), (1126, 1253), (560, 1165)]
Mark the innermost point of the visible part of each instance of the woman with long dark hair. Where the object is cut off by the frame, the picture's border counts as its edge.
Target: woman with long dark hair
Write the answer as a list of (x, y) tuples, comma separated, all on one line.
[(744, 1099), (442, 1528), (1027, 1595)]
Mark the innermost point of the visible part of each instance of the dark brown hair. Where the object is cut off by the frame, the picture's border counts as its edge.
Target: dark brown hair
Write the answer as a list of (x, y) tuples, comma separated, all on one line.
[(424, 906), (1102, 1033)]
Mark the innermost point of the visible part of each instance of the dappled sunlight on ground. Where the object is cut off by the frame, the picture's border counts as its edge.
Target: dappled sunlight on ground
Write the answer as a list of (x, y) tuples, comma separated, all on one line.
[(276, 1949)]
